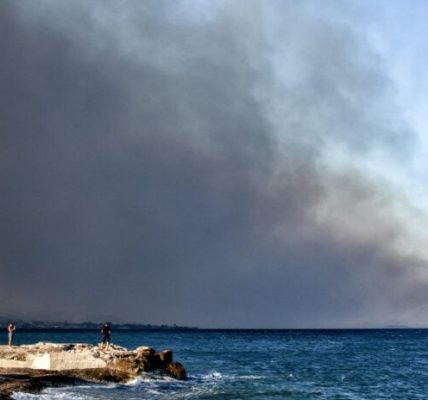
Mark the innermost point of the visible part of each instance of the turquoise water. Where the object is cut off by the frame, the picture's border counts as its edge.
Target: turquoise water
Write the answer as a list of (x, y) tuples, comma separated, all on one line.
[(360, 364)]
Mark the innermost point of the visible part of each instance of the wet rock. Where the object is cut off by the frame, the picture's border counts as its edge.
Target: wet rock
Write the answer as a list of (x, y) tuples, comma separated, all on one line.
[(176, 370)]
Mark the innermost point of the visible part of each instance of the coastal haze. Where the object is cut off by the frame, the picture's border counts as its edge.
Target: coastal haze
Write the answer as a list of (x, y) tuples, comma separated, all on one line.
[(226, 164)]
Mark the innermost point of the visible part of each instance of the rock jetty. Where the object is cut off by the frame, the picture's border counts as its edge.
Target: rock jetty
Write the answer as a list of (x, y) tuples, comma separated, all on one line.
[(30, 368)]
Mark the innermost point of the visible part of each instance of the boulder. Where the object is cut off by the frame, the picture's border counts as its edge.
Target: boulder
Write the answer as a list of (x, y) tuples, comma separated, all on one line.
[(176, 370)]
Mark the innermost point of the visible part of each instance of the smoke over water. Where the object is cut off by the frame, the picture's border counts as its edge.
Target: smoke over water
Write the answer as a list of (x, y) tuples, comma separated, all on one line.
[(222, 165)]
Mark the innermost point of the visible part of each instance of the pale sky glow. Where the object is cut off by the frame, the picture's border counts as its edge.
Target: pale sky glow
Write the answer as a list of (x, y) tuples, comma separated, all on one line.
[(220, 164), (401, 31)]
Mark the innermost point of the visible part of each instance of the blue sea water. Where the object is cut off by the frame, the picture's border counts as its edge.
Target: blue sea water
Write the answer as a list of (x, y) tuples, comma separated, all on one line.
[(288, 364)]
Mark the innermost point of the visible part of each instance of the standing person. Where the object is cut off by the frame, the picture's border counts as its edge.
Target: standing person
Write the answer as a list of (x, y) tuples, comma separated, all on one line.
[(10, 333), (105, 332)]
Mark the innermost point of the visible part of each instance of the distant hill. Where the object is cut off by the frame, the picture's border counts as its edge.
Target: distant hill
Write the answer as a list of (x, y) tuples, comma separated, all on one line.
[(88, 325)]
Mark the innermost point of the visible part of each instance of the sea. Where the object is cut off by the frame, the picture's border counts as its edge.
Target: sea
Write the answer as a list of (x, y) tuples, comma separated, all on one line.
[(263, 364)]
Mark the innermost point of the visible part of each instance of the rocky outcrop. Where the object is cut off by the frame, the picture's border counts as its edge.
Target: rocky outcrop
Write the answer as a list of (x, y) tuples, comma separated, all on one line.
[(32, 367)]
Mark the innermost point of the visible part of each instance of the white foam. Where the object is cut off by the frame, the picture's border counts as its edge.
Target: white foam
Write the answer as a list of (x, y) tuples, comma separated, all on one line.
[(136, 381), (216, 376), (212, 376), (133, 382), (47, 396), (251, 377), (55, 393), (110, 385)]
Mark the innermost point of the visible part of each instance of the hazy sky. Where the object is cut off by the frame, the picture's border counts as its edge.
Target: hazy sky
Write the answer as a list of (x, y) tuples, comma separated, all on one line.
[(216, 164)]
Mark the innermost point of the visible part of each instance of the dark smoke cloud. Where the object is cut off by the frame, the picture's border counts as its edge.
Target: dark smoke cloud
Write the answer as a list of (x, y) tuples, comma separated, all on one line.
[(156, 166)]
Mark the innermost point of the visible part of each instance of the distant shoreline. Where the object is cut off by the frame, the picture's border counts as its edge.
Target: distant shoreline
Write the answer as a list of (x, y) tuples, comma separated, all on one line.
[(185, 329), (39, 325)]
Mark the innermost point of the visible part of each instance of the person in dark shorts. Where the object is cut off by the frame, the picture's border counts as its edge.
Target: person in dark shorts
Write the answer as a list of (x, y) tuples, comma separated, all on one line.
[(105, 332)]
